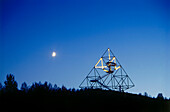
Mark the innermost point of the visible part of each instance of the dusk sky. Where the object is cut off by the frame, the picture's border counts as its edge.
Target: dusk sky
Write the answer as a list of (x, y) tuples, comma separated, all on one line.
[(79, 31)]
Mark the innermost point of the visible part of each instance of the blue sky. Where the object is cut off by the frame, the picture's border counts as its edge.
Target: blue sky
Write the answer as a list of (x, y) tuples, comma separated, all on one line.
[(137, 31)]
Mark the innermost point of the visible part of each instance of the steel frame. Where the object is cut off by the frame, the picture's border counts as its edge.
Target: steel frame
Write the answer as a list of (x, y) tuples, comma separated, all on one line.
[(114, 78)]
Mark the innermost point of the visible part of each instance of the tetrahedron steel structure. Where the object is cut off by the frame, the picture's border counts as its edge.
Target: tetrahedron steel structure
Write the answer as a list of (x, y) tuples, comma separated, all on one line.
[(107, 73)]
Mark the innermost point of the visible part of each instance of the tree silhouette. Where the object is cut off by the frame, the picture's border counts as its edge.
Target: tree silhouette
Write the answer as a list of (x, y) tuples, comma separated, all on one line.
[(10, 83), (47, 86), (160, 96), (55, 87), (146, 94), (44, 97), (24, 87), (63, 88), (0, 86)]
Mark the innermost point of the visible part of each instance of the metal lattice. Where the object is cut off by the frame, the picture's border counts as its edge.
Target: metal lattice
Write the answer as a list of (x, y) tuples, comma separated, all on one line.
[(107, 74)]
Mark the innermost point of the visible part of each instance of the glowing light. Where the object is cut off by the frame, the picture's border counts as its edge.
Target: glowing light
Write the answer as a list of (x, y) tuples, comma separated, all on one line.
[(113, 59), (110, 64), (97, 66), (109, 53), (117, 67), (53, 54)]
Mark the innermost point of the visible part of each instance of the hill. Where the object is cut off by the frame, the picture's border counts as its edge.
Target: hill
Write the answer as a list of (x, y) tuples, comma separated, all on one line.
[(44, 97)]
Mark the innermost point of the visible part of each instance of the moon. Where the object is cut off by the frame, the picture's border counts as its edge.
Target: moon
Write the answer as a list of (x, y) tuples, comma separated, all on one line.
[(53, 54)]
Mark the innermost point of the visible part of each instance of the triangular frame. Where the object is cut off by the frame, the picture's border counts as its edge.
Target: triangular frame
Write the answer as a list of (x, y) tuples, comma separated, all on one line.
[(114, 78)]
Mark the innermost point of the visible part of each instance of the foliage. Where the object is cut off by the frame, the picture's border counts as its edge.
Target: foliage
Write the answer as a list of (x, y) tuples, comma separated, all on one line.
[(24, 87), (0, 86), (45, 97), (160, 96), (10, 83)]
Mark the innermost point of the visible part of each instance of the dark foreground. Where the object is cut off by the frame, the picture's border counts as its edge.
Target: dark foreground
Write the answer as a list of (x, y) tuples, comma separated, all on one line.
[(57, 100), (45, 98)]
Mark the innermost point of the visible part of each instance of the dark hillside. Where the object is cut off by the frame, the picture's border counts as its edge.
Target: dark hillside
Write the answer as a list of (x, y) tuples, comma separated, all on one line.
[(90, 100), (43, 97)]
